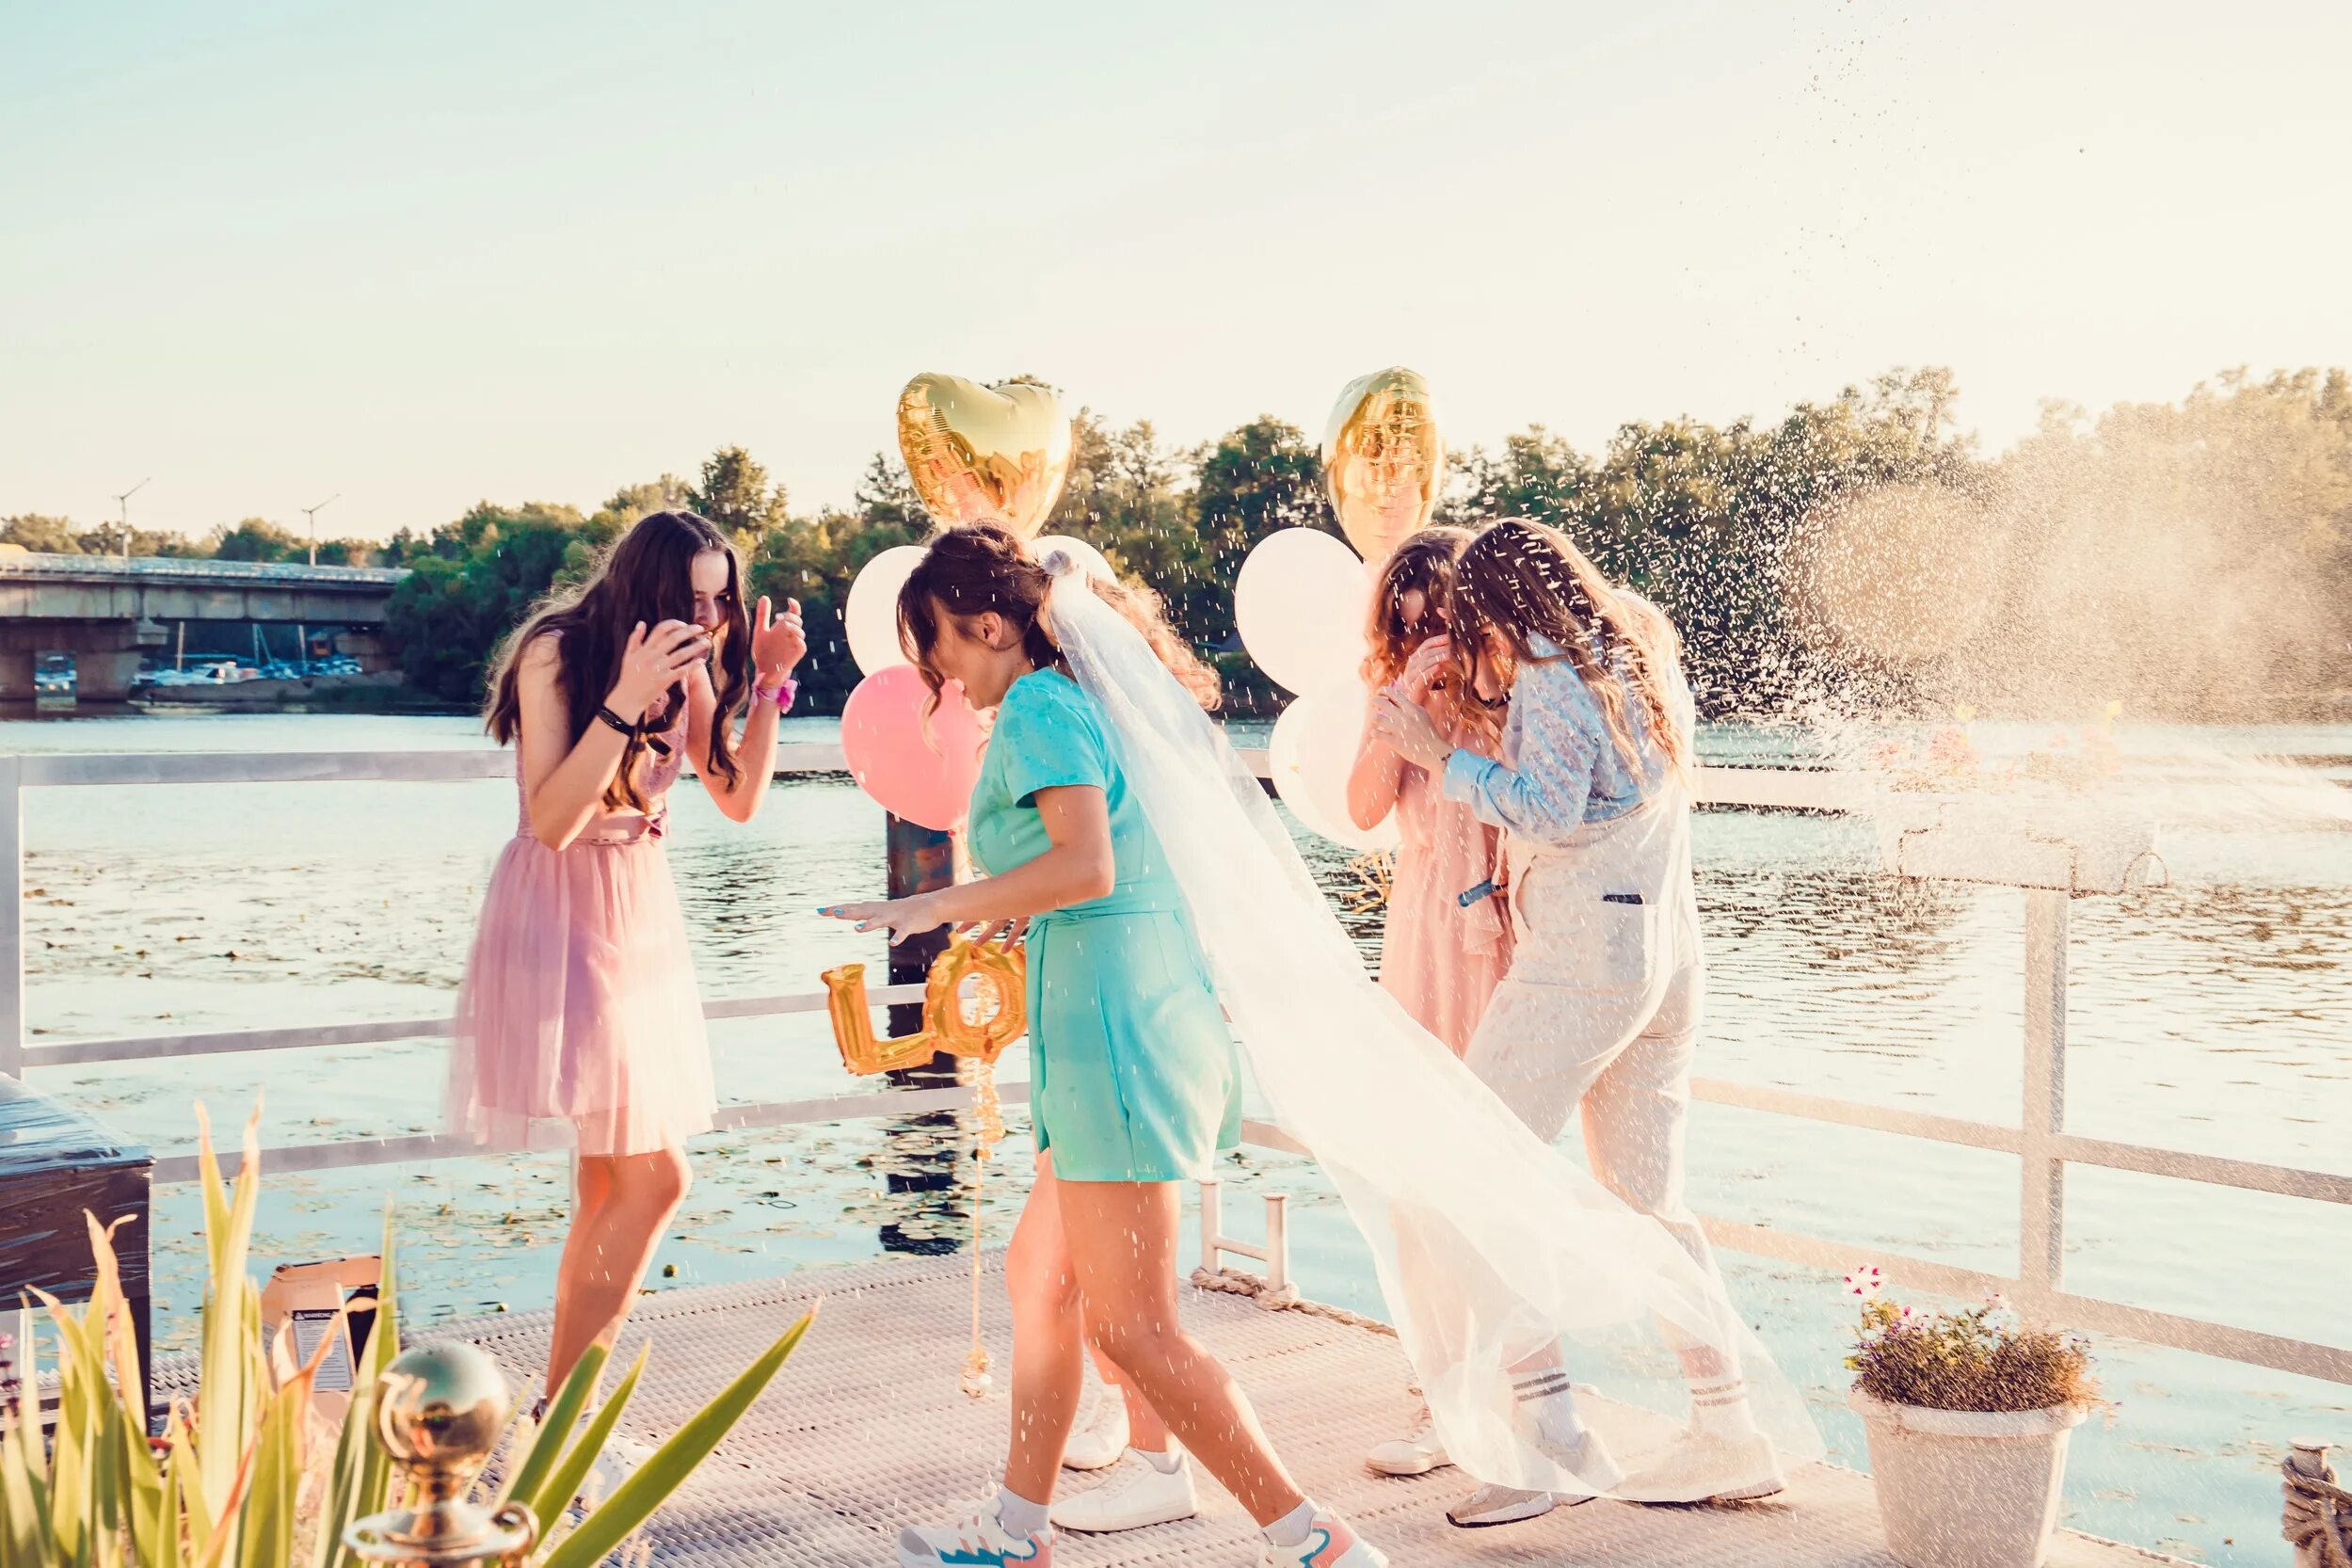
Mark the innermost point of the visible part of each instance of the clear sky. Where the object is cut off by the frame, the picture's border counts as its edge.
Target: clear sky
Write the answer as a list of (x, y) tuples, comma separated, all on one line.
[(426, 254)]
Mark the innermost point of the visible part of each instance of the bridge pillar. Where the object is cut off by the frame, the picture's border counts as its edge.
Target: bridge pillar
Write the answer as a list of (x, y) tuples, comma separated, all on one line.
[(17, 693), (368, 646), (105, 660)]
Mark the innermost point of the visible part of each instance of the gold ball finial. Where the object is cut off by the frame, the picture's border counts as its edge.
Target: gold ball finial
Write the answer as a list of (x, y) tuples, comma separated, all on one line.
[(442, 1405), (440, 1410)]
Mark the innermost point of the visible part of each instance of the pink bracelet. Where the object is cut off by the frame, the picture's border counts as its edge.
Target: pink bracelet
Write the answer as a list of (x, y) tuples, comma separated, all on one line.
[(783, 693)]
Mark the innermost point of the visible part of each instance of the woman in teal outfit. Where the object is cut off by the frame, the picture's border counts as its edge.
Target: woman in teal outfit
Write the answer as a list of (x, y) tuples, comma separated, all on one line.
[(1135, 1080), (1132, 1072)]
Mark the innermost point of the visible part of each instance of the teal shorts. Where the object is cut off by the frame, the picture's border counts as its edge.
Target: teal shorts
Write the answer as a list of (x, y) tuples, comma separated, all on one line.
[(1133, 1075)]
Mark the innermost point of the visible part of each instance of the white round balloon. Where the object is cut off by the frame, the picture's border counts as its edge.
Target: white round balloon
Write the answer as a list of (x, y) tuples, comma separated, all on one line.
[(1310, 754), (871, 619), (1300, 603), (1091, 561)]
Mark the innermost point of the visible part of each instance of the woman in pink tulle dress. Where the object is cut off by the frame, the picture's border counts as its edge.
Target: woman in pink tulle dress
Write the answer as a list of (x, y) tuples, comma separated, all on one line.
[(1440, 957), (579, 1020)]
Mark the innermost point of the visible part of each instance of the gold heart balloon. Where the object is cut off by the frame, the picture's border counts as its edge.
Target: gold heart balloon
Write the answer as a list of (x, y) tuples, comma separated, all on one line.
[(984, 454), (1383, 459)]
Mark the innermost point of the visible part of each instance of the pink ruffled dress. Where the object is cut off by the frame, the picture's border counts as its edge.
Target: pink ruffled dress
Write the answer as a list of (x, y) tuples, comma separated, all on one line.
[(579, 1023), (1439, 959)]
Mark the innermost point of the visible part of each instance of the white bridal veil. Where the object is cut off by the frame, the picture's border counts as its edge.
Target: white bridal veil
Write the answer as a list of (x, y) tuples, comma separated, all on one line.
[(1489, 1245)]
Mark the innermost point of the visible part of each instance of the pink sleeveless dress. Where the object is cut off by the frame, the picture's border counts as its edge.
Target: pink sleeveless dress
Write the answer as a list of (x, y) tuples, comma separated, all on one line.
[(1439, 959), (579, 1023)]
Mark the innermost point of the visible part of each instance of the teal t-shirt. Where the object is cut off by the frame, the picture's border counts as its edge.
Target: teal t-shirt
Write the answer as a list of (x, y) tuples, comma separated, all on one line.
[(1048, 735)]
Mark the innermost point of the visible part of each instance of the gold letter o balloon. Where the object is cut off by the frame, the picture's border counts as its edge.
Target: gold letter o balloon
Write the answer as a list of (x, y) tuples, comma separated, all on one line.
[(1383, 459), (984, 454)]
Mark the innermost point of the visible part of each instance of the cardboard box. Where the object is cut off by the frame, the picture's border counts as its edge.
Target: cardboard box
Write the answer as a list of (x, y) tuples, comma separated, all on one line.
[(305, 1303)]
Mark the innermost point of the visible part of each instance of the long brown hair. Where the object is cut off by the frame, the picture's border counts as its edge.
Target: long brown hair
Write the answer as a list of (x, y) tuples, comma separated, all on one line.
[(1424, 560), (647, 577), (971, 570), (1522, 581)]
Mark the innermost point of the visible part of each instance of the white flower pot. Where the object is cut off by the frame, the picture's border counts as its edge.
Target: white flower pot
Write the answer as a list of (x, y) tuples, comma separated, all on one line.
[(1964, 1488)]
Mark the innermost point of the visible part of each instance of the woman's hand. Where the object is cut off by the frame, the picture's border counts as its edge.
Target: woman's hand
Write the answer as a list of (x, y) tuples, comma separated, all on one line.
[(653, 661), (1004, 933), (903, 917), (777, 644), (1408, 731), (1427, 666)]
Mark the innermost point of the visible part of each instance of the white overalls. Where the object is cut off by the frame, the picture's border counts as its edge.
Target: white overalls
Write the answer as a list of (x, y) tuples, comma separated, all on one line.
[(1601, 1004)]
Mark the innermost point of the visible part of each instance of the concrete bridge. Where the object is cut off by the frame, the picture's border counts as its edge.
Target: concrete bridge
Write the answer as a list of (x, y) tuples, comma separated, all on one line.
[(108, 612)]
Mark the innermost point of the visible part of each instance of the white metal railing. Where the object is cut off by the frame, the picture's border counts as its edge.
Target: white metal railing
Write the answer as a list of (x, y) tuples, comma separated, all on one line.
[(2039, 1140)]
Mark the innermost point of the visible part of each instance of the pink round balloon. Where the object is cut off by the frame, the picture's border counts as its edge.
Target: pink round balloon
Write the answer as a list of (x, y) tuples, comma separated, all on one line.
[(926, 778)]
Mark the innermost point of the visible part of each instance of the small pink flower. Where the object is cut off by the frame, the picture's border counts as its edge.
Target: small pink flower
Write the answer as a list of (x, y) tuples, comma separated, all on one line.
[(1865, 1281), (1906, 1315)]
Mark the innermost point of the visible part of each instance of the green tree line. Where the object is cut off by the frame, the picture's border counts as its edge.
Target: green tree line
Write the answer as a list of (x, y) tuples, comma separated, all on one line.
[(2177, 556)]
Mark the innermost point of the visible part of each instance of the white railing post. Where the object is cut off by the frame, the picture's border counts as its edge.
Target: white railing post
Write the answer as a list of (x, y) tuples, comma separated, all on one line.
[(1274, 1253), (12, 918), (1212, 1223), (2041, 1184), (1277, 1241)]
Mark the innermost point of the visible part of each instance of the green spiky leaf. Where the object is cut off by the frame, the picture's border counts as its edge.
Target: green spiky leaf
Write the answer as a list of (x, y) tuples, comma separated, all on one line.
[(650, 1485)]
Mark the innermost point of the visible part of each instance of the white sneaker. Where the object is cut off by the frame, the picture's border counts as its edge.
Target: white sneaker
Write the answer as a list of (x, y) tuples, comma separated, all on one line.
[(979, 1540), (1507, 1505), (1700, 1469), (1417, 1453), (1100, 1436), (1138, 1495), (1329, 1544)]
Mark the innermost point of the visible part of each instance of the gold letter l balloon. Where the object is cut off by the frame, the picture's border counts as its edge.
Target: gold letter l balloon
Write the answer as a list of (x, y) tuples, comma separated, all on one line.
[(981, 1025), (984, 454), (1383, 459)]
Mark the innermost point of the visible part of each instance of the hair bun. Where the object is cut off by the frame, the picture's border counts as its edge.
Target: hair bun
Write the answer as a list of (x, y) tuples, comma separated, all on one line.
[(1058, 563)]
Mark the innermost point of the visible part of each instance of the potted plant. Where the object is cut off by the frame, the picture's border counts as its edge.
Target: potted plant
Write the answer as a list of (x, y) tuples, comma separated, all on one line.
[(1968, 1414), (250, 1476)]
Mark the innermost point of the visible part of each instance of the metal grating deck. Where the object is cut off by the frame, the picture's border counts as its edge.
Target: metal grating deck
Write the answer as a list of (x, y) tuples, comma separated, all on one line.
[(865, 1430)]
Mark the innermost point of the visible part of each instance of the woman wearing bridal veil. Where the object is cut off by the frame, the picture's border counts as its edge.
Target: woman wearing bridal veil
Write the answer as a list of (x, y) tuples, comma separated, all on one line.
[(1493, 1251)]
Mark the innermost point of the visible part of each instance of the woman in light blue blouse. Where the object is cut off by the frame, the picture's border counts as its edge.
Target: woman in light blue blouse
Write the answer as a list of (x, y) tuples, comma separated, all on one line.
[(1601, 1004)]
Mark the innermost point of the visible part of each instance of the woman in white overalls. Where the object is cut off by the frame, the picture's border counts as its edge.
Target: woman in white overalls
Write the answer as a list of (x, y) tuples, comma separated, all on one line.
[(1601, 1004)]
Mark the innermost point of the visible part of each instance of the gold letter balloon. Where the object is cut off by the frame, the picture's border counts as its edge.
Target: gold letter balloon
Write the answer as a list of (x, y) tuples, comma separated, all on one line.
[(984, 454), (1383, 459)]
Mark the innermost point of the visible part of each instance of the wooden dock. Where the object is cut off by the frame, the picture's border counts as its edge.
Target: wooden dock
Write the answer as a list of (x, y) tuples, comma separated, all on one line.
[(866, 1430)]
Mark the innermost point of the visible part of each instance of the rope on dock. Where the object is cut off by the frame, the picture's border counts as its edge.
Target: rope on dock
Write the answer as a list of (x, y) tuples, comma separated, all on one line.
[(2318, 1514), (1234, 1282)]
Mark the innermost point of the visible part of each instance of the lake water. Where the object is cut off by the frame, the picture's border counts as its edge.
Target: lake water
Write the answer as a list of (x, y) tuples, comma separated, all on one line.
[(2214, 1015)]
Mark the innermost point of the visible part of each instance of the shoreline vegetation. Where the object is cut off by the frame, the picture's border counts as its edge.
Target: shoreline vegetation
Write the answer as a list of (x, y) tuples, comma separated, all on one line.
[(2192, 561)]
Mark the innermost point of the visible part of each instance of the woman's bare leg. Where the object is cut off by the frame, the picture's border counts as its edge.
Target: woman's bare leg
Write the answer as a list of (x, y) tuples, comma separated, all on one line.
[(1145, 1428), (622, 1203), (1047, 1346), (1122, 1240)]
